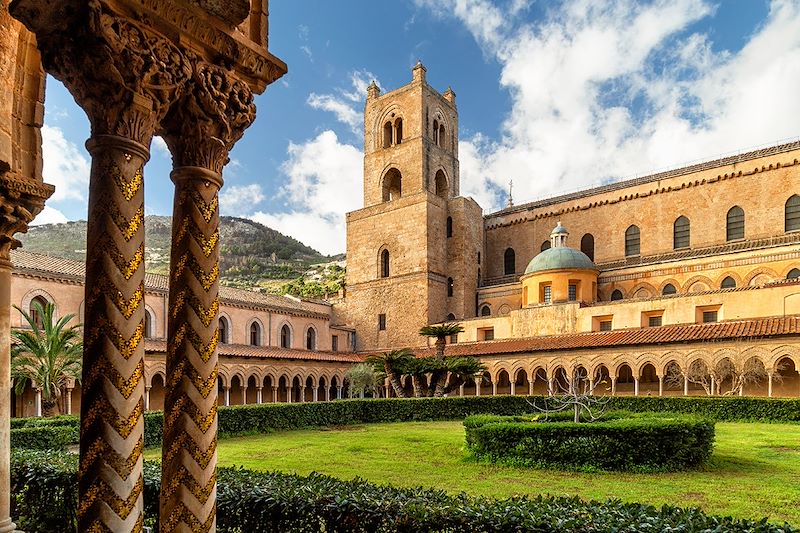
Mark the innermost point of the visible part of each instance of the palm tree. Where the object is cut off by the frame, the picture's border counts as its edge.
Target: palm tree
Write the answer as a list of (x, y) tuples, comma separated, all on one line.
[(394, 364), (441, 332), (48, 356)]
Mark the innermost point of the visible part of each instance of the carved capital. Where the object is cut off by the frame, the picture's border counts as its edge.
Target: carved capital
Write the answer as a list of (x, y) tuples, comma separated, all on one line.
[(20, 201), (121, 72), (214, 111)]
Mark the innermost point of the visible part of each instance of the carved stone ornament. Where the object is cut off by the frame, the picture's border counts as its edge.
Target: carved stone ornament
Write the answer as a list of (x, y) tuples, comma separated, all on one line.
[(123, 74), (20, 201), (213, 114)]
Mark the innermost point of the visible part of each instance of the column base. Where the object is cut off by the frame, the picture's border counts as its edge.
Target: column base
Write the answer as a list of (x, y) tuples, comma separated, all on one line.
[(7, 526)]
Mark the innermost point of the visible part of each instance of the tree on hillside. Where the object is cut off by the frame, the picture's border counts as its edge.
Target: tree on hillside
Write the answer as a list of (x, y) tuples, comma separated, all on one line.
[(438, 370), (48, 356), (393, 364)]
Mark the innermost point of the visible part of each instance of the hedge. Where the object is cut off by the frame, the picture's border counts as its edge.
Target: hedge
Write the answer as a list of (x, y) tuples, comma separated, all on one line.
[(279, 417), (45, 499), (622, 441), (44, 438)]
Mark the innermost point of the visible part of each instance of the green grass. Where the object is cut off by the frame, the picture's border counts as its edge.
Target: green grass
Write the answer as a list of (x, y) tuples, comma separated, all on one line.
[(754, 472)]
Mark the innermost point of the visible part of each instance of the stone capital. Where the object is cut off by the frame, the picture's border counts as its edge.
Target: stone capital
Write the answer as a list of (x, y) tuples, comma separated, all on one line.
[(213, 113), (20, 201)]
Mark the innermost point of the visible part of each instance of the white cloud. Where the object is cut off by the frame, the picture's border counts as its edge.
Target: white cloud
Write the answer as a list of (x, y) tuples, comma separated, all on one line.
[(65, 166), (49, 215), (324, 184), (346, 103), (240, 200), (159, 147), (607, 89)]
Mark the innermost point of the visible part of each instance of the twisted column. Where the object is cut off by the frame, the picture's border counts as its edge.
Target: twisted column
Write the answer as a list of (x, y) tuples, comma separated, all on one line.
[(209, 119)]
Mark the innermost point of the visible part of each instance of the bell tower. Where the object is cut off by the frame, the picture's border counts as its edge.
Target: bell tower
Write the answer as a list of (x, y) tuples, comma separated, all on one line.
[(399, 271)]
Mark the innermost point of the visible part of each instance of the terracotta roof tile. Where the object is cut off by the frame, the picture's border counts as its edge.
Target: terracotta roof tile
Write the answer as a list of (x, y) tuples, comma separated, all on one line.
[(46, 265), (267, 352), (764, 327)]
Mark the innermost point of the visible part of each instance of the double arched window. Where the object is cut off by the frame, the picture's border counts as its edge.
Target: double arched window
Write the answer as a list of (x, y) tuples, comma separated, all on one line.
[(680, 233), (392, 132), (632, 241), (438, 133), (734, 227), (509, 262), (286, 336)]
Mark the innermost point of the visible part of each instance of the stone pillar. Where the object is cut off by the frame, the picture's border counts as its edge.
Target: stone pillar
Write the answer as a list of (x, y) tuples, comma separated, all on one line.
[(513, 388), (769, 385), (20, 201), (591, 386), (661, 385), (685, 386), (327, 394), (713, 385), (315, 392), (259, 397), (494, 388), (68, 401), (636, 386), (550, 384), (613, 386), (227, 392), (461, 390), (338, 392), (147, 398), (274, 394), (38, 401), (244, 395), (530, 387), (478, 386)]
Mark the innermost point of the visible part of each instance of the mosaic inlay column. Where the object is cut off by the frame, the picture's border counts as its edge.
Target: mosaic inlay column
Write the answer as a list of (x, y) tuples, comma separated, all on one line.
[(200, 132), (20, 200), (125, 76)]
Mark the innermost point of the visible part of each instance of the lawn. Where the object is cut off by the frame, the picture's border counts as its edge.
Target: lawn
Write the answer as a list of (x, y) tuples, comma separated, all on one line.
[(754, 472)]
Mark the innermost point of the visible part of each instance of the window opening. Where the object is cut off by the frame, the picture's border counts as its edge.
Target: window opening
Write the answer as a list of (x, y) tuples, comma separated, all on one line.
[(681, 233), (450, 286), (449, 227), (286, 337), (728, 283), (587, 245), (632, 241), (385, 264), (735, 224), (509, 262), (668, 289), (616, 295), (792, 213), (382, 322), (709, 316), (255, 334), (654, 321), (572, 292), (311, 339)]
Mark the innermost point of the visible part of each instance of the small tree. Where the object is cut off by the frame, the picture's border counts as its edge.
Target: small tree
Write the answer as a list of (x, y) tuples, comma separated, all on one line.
[(578, 395), (393, 364), (49, 356), (362, 379), (438, 370)]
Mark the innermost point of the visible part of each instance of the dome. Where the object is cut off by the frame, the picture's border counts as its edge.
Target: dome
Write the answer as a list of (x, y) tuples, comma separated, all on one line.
[(560, 258)]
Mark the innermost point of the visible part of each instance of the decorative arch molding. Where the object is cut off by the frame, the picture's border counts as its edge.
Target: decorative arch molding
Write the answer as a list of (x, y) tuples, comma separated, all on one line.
[(153, 369), (311, 327), (645, 359), (789, 268), (435, 185), (733, 275), (783, 352), (261, 332), (153, 333), (384, 117), (691, 282), (285, 323), (643, 286), (758, 272), (25, 305), (224, 375), (229, 322)]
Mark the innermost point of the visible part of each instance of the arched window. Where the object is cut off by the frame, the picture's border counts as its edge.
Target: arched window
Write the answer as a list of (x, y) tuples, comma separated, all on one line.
[(255, 334), (35, 312), (436, 132), (791, 213), (680, 233), (509, 262), (451, 317), (311, 339), (486, 311), (148, 324), (587, 245), (441, 135), (449, 227), (669, 288), (387, 135), (224, 327), (392, 185), (398, 131), (616, 295), (632, 241), (734, 228), (385, 264), (450, 286), (793, 274), (545, 246), (286, 337), (728, 283), (441, 184)]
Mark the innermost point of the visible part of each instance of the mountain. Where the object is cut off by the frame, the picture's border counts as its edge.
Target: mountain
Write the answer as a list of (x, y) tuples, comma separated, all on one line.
[(251, 254)]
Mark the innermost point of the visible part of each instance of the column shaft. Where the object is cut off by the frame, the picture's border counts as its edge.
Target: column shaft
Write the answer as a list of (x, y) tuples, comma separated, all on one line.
[(5, 396), (189, 454), (110, 480)]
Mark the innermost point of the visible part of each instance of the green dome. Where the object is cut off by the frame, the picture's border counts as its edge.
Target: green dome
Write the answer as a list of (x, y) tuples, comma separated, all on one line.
[(560, 258)]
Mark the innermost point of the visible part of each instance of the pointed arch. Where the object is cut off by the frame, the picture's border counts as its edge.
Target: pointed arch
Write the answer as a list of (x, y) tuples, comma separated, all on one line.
[(632, 241), (681, 233), (734, 224), (587, 245)]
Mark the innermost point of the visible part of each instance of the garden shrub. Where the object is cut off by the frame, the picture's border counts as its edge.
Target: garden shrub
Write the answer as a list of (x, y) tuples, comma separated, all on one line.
[(264, 418), (619, 442), (44, 437), (44, 485)]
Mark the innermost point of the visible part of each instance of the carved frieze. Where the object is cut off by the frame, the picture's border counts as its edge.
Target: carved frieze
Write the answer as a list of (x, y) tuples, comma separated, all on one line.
[(20, 201)]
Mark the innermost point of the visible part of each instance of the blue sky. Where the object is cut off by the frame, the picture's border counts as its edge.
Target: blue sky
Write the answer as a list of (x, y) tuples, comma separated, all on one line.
[(556, 95)]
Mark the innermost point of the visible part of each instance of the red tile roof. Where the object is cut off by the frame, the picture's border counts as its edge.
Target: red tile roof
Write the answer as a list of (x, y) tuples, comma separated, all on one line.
[(267, 352), (763, 327)]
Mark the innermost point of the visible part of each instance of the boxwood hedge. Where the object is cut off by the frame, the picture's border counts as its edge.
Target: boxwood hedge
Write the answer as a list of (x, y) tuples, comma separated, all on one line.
[(45, 499), (277, 417), (623, 441)]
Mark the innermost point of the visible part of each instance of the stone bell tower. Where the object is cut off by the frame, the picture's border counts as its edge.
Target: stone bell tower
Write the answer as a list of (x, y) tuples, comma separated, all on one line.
[(406, 247)]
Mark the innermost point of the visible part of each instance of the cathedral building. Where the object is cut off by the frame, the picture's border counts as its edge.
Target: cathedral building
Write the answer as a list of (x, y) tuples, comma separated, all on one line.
[(630, 282)]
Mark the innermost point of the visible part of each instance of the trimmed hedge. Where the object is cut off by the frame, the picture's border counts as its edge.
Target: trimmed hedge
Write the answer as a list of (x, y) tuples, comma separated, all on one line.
[(44, 485), (623, 441), (44, 438), (279, 417)]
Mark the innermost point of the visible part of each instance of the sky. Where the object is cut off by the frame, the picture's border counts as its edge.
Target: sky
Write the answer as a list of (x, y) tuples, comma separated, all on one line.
[(555, 95)]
